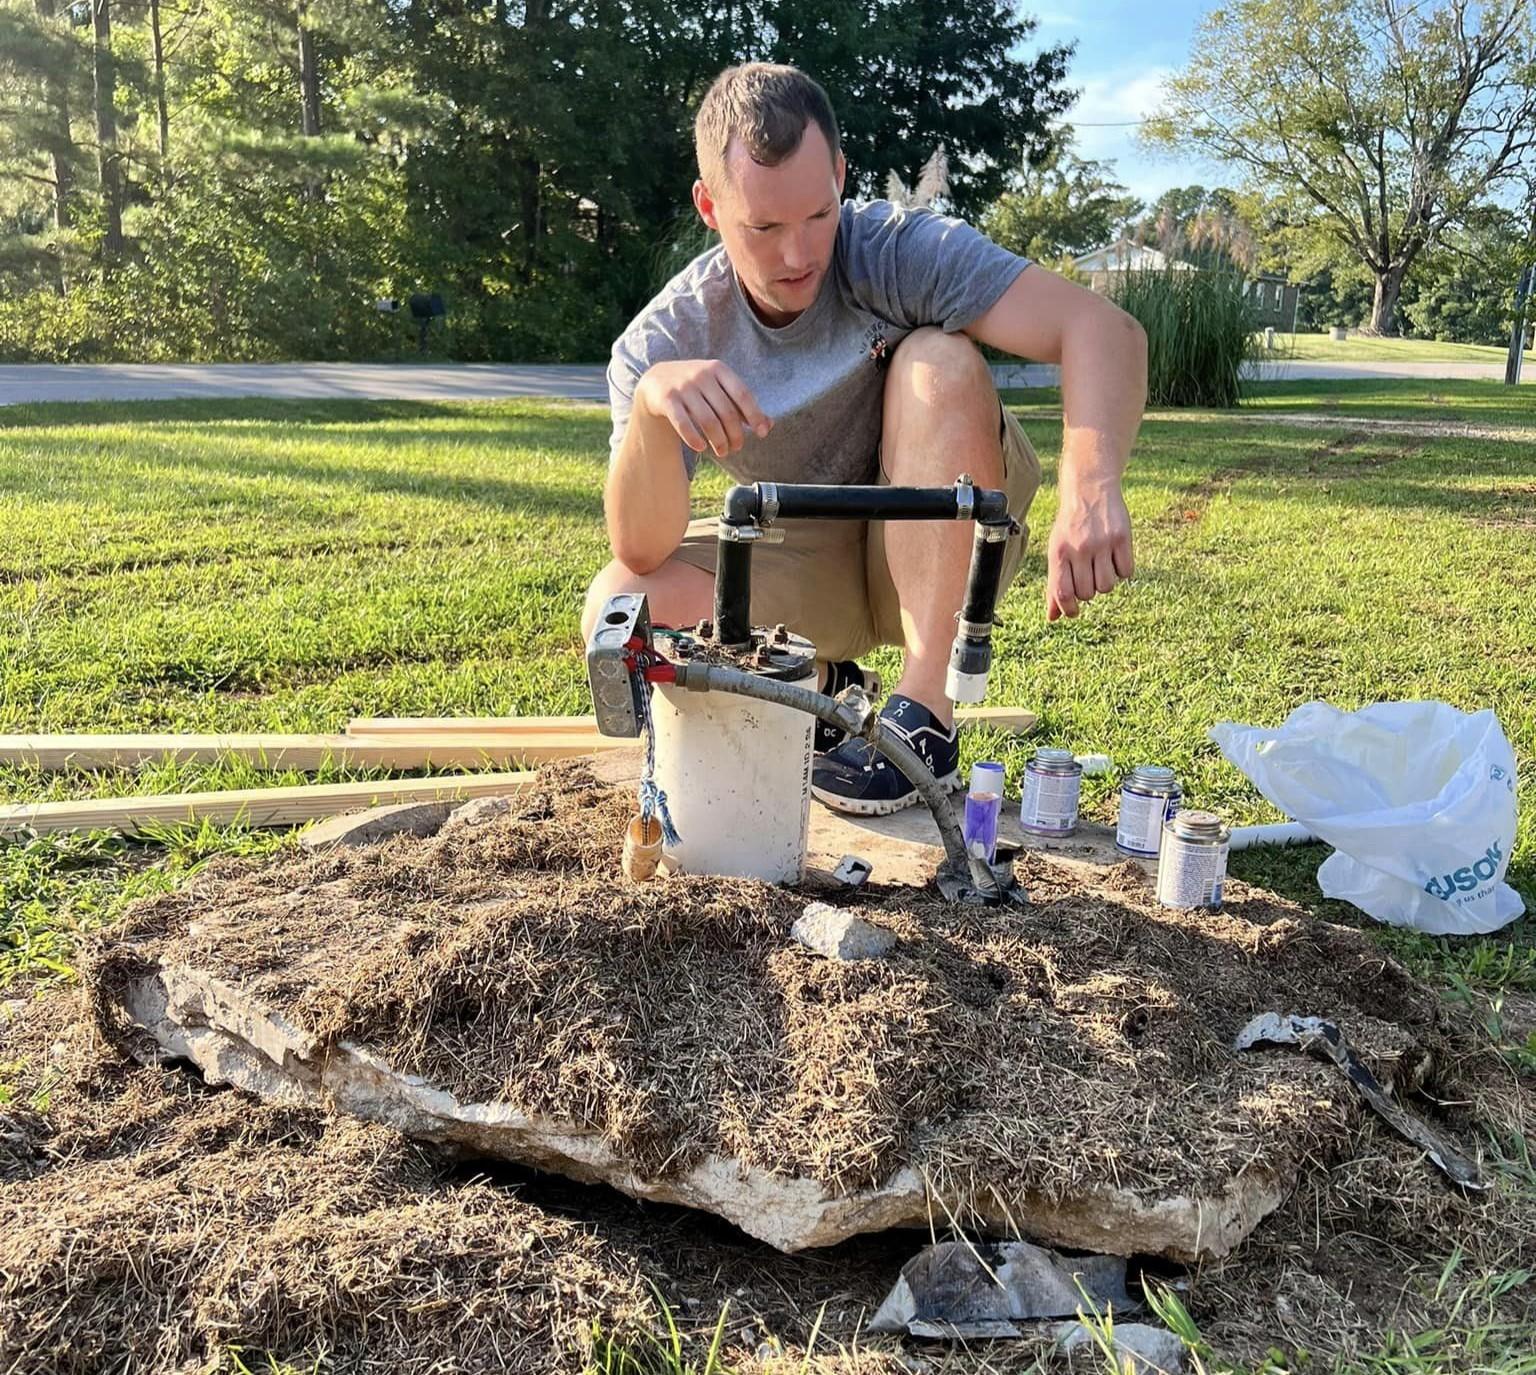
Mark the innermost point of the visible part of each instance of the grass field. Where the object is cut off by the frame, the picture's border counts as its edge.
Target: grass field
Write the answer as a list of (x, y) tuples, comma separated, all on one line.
[(1357, 348), (284, 566)]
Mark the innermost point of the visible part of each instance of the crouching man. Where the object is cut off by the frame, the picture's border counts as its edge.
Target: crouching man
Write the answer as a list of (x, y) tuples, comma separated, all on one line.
[(832, 341)]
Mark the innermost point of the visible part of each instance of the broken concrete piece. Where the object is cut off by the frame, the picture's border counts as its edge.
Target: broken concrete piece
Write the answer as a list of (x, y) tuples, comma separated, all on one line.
[(1138, 1347), (234, 1039), (959, 1290), (841, 935), (476, 812), (379, 823)]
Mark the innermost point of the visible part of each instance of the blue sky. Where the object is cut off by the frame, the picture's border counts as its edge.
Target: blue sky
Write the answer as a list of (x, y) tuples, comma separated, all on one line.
[(1124, 50)]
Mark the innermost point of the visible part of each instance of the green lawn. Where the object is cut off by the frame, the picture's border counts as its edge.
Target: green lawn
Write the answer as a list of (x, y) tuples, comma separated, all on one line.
[(284, 566), (1359, 348)]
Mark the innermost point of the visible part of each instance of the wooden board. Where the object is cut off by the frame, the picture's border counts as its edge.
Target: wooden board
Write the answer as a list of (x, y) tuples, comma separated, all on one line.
[(305, 752), (381, 727), (253, 806), (1013, 720)]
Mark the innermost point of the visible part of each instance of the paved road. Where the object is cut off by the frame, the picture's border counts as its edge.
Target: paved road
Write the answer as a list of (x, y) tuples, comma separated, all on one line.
[(1281, 371), (1034, 375), (371, 381), (22, 382)]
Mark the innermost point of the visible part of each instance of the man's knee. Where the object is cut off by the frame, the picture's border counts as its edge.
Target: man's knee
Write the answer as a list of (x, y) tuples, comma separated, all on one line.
[(610, 581), (942, 415), (932, 366), (679, 593)]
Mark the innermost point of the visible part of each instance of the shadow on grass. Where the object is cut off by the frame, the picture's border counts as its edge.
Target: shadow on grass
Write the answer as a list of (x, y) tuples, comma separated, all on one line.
[(1509, 953), (190, 468)]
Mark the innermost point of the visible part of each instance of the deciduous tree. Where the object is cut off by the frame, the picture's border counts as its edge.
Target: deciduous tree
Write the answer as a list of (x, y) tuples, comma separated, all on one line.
[(1391, 121)]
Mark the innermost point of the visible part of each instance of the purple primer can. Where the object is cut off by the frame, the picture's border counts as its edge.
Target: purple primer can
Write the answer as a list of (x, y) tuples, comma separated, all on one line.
[(983, 807), (1053, 780), (1150, 796)]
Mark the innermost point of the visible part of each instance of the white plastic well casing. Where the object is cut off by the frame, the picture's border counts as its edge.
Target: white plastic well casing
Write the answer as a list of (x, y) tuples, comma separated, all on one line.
[(737, 775)]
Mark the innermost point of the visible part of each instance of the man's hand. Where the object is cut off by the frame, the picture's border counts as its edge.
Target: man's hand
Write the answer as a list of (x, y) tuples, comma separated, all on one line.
[(708, 405), (1090, 546)]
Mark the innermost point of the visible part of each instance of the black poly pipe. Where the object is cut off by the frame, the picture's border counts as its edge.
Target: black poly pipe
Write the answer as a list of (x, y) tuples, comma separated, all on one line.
[(733, 592), (815, 501), (985, 577)]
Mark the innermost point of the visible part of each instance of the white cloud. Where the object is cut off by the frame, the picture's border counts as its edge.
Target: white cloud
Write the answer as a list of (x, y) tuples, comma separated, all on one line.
[(1115, 98)]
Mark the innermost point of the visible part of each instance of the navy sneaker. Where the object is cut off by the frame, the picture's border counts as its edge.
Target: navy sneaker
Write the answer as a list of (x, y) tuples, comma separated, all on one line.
[(856, 778), (842, 673)]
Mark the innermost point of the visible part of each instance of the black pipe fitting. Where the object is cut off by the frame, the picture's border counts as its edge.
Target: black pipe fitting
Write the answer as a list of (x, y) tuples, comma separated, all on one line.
[(748, 510), (743, 505), (815, 501), (970, 657)]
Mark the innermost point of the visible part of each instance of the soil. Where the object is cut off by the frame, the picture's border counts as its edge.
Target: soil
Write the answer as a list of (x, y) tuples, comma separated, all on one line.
[(1081, 1040)]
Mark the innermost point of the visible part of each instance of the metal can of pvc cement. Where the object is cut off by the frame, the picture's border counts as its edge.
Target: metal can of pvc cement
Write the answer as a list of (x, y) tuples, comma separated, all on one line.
[(1192, 864), (1149, 797), (1053, 780)]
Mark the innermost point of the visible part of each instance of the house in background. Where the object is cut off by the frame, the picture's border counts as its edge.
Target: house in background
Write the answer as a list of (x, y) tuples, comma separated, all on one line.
[(1102, 265), (1273, 298)]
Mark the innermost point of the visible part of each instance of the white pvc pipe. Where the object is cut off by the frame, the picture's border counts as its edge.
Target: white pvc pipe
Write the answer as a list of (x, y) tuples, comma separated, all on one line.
[(1285, 833), (737, 775)]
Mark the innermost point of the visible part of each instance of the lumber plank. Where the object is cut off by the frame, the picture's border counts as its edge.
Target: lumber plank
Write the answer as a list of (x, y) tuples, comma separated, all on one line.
[(1015, 720), (305, 752), (253, 806), (378, 727)]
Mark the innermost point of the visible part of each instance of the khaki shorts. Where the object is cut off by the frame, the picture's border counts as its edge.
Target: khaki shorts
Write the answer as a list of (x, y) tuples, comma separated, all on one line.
[(829, 579)]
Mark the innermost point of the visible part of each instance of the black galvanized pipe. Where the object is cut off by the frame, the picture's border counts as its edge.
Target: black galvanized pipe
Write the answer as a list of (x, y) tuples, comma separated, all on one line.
[(766, 502), (970, 657), (733, 589), (748, 510)]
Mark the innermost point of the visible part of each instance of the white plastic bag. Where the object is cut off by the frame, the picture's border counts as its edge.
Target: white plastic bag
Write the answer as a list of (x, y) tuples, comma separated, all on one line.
[(1417, 799)]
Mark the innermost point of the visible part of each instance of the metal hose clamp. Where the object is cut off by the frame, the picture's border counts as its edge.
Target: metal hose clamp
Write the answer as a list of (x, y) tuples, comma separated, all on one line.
[(768, 493), (965, 497)]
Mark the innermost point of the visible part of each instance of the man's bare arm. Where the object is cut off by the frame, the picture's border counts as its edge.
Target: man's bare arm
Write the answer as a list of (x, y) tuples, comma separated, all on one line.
[(1103, 356), (698, 401)]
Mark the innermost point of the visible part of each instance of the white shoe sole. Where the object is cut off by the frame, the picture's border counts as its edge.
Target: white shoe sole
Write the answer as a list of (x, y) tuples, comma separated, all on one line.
[(854, 806)]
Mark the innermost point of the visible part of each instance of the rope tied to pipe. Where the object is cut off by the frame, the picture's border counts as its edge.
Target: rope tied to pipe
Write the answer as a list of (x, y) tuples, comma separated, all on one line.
[(653, 801)]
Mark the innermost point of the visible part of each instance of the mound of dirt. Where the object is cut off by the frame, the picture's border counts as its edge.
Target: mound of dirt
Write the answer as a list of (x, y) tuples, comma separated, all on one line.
[(1075, 1050), (1066, 1067), (147, 1223)]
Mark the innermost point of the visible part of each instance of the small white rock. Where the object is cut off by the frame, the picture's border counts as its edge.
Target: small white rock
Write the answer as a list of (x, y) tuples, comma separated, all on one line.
[(476, 812), (1148, 1350), (376, 824), (840, 935)]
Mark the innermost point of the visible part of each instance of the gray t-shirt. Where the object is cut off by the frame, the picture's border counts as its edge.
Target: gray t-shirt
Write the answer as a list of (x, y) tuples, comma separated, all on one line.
[(820, 378)]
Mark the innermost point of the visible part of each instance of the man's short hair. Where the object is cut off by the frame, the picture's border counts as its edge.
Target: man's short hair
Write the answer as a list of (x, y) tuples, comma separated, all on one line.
[(767, 107)]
